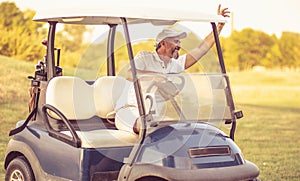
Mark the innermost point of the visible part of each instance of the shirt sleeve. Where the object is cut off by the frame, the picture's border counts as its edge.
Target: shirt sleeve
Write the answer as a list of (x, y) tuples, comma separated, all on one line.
[(139, 61)]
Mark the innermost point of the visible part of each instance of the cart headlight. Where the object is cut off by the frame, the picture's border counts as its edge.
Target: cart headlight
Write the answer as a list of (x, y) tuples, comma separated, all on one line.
[(209, 151)]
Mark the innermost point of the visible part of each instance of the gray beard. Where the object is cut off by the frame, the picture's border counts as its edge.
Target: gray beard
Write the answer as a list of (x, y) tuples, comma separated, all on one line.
[(175, 54)]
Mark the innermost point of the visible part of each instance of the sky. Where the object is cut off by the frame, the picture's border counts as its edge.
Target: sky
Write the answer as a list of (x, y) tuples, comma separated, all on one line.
[(270, 16)]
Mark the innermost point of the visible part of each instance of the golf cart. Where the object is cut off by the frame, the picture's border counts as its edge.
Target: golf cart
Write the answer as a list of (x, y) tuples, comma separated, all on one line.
[(74, 131)]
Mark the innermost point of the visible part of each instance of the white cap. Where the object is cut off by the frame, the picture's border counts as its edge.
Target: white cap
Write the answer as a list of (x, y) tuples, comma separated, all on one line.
[(168, 33)]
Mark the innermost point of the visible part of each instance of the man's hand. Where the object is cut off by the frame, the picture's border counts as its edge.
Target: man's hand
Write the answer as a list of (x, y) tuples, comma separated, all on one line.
[(224, 12), (194, 55)]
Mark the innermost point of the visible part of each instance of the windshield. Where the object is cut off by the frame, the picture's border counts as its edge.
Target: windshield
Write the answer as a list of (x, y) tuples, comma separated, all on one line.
[(170, 98), (186, 97)]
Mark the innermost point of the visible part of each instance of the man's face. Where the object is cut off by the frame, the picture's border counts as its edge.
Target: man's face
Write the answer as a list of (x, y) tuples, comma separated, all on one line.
[(172, 47)]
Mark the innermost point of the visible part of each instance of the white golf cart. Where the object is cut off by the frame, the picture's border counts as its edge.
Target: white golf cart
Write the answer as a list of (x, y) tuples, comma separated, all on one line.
[(73, 133)]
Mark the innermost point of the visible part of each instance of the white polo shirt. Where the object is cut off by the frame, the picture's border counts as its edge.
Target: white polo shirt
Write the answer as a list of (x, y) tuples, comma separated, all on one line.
[(150, 61)]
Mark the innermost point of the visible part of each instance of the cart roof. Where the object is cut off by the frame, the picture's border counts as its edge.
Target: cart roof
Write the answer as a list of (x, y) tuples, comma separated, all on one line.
[(94, 12)]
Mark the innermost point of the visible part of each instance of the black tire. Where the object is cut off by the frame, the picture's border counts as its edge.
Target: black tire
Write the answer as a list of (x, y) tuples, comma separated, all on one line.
[(151, 178), (19, 169)]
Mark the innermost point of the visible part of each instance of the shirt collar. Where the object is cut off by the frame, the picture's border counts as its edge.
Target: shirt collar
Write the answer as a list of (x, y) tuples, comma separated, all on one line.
[(158, 58)]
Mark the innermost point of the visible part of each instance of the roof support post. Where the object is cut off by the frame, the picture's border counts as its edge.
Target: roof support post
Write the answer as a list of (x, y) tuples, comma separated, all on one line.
[(50, 62), (228, 89), (111, 70), (142, 119), (137, 86)]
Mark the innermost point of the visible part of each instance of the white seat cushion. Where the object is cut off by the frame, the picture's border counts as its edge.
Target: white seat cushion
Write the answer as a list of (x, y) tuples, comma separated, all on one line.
[(105, 138)]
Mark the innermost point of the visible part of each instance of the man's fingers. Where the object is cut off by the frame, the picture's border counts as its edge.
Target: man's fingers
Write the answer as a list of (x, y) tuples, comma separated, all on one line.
[(225, 9), (224, 12)]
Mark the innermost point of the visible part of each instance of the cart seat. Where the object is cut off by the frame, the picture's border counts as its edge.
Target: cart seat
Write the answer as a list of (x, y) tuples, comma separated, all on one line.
[(80, 101), (105, 138)]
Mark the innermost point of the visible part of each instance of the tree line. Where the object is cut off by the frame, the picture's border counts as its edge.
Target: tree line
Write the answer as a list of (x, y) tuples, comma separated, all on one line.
[(249, 48), (21, 38)]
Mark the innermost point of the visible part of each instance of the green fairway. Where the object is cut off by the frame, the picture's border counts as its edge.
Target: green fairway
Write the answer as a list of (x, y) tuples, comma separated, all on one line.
[(14, 96), (267, 135)]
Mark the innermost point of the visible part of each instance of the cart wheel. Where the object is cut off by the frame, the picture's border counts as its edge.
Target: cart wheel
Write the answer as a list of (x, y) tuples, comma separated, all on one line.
[(151, 178), (19, 170)]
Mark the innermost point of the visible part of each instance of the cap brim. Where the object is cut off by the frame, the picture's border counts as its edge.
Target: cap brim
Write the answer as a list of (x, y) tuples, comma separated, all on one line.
[(180, 35)]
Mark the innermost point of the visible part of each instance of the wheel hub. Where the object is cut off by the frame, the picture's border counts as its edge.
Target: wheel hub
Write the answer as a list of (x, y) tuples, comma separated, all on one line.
[(16, 176)]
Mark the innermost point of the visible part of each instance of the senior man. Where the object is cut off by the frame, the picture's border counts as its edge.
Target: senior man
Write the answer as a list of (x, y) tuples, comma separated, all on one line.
[(166, 59)]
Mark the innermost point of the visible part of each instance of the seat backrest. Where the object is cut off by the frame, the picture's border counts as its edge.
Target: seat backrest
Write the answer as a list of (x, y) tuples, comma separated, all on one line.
[(107, 91), (78, 100), (72, 96)]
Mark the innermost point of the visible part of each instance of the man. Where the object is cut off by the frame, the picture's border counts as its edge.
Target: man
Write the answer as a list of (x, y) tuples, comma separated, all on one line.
[(166, 58)]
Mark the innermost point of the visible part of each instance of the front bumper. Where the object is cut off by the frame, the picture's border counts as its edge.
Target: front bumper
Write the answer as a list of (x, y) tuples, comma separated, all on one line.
[(247, 171)]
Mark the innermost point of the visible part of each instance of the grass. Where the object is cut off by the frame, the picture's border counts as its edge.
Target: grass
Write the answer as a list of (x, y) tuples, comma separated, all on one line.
[(14, 96), (267, 135)]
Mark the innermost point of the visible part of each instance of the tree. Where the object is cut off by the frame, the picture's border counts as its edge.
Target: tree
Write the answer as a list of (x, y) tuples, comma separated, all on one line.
[(71, 40), (10, 15), (289, 46), (72, 37), (273, 58), (20, 35), (248, 47)]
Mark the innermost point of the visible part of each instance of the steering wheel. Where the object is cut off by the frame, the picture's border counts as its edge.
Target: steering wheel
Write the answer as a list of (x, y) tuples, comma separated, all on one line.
[(167, 87)]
